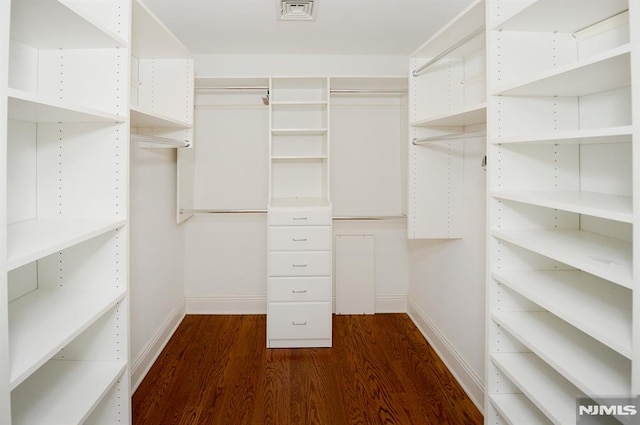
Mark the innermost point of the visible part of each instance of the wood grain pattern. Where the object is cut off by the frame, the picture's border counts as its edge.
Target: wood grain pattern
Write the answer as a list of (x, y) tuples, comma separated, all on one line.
[(217, 370)]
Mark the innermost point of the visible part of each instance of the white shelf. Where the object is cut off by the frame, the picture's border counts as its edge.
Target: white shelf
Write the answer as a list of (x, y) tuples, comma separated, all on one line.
[(474, 114), (298, 131), (578, 79), (64, 392), (299, 203), (31, 240), (602, 256), (37, 23), (589, 365), (300, 105), (300, 157), (574, 296), (516, 409), (561, 16), (610, 207), (550, 392), (470, 19), (24, 106), (620, 134), (147, 119), (44, 321), (151, 39)]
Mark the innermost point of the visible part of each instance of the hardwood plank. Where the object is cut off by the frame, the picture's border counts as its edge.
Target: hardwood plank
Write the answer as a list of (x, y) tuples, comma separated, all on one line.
[(217, 370)]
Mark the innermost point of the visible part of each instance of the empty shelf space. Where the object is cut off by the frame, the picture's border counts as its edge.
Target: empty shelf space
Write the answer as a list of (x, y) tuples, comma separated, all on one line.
[(602, 256), (516, 409), (573, 296), (610, 207), (311, 202), (586, 363), (620, 134), (475, 114), (64, 392), (53, 24), (297, 157), (149, 119), (550, 392), (565, 16), (577, 79), (300, 104), (44, 321), (31, 240), (24, 106)]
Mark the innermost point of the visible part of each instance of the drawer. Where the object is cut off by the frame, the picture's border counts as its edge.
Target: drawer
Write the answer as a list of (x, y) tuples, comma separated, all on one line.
[(299, 320), (319, 217), (299, 288), (304, 263), (300, 238)]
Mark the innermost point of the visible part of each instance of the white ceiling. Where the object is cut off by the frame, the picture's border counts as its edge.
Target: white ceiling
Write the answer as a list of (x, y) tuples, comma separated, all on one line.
[(342, 27)]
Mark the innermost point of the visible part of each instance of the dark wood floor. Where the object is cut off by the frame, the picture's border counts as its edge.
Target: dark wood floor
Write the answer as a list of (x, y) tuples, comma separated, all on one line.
[(216, 370)]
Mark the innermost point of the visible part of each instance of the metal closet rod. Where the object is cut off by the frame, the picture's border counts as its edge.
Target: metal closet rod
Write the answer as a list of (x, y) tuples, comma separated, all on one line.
[(335, 91), (455, 136), (453, 47), (148, 138), (259, 211)]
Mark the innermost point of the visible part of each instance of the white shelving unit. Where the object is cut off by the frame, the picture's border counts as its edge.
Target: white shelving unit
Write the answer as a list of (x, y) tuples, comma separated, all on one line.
[(64, 219), (299, 259), (562, 290), (447, 108), (162, 95)]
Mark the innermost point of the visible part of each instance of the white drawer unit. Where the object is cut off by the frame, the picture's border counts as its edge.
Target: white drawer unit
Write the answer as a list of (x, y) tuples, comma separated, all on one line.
[(299, 288), (299, 238), (300, 217), (299, 324), (304, 263)]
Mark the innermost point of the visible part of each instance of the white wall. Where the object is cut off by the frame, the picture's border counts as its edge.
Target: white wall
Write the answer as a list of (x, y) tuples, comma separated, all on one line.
[(447, 284), (157, 250)]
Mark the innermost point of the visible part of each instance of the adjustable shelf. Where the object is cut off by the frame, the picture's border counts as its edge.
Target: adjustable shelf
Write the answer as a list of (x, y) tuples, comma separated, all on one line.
[(517, 409), (31, 240), (619, 134), (586, 363), (69, 312), (602, 256), (64, 391), (474, 114), (145, 118), (298, 131), (548, 391), (573, 296)]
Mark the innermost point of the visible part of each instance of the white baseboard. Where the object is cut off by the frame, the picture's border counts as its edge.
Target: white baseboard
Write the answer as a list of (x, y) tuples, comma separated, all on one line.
[(466, 377), (257, 304), (232, 304), (149, 355)]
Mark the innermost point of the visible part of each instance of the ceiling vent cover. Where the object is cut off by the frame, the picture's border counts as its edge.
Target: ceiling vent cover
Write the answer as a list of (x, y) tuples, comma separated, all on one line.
[(297, 10)]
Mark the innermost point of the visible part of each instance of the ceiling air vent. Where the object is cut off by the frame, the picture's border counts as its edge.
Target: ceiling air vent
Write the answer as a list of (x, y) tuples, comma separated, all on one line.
[(300, 10)]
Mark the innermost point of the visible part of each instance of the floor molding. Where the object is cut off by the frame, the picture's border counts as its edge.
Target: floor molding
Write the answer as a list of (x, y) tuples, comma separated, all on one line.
[(152, 350), (468, 379)]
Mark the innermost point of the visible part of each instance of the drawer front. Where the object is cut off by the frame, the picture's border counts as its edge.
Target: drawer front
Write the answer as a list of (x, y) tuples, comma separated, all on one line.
[(300, 217), (300, 238), (299, 320), (299, 288), (299, 263)]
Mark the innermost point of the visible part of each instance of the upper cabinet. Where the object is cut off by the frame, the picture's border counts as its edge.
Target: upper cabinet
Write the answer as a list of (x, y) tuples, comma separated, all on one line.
[(162, 96), (447, 108), (563, 121)]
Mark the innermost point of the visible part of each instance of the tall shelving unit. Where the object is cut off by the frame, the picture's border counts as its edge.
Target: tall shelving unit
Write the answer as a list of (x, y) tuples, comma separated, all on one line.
[(563, 280), (299, 292), (447, 108), (162, 96), (64, 268)]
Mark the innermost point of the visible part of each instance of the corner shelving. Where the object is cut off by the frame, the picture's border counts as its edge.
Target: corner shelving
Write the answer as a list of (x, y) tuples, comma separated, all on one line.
[(64, 266), (447, 96), (563, 263)]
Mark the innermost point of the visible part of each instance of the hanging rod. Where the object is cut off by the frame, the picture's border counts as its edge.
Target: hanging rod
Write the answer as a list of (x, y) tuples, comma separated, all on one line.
[(380, 91), (453, 47), (235, 211), (147, 138), (444, 137)]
